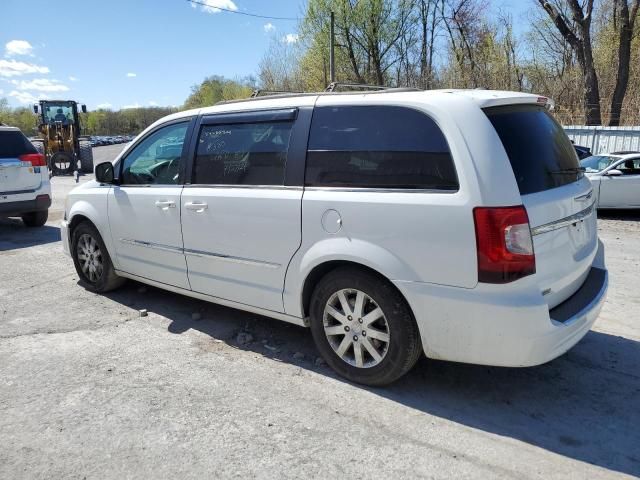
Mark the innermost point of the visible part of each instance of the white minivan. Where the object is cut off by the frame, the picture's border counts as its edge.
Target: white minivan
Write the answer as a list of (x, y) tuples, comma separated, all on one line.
[(455, 223)]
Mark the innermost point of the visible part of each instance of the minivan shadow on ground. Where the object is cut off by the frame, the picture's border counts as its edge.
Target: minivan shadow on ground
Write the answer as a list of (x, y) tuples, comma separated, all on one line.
[(584, 405), (14, 234)]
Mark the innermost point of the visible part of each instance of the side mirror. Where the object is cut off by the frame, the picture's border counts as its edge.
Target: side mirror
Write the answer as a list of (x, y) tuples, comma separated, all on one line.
[(614, 173), (84, 108), (104, 172), (35, 109)]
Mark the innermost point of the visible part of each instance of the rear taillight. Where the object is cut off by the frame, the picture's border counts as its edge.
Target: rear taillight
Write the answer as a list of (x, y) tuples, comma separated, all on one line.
[(504, 244), (36, 159)]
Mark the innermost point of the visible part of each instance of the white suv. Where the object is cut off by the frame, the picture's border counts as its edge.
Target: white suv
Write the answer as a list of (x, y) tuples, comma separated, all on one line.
[(454, 223), (25, 190)]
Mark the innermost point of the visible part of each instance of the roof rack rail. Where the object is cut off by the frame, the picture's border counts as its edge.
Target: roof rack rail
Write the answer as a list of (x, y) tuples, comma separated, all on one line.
[(334, 85), (624, 152), (258, 92)]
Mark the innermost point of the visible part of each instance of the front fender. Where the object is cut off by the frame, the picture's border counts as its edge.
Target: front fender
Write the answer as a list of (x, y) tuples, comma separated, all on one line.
[(339, 249), (94, 209)]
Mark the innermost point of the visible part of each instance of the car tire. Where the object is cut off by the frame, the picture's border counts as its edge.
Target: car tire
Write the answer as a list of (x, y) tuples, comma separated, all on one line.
[(35, 219), (86, 157), (374, 305), (92, 260), (62, 163)]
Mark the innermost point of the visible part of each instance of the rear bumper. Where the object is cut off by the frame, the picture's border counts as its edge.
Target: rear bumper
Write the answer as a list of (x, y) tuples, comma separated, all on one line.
[(504, 328), (15, 209)]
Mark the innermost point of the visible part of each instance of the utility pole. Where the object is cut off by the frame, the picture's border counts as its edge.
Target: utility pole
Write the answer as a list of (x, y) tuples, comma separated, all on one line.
[(332, 60)]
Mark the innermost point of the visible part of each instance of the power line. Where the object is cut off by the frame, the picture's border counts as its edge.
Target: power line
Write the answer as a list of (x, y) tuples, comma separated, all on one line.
[(242, 13)]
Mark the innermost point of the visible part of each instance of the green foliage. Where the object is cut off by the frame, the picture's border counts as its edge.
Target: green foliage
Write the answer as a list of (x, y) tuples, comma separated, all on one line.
[(217, 88), (21, 117), (98, 122)]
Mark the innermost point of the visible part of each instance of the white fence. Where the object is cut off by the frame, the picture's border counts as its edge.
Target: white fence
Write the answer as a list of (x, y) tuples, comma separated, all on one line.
[(605, 139)]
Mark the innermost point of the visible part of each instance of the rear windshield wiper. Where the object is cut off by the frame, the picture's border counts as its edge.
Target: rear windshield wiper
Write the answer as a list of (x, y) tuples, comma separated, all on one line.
[(568, 171)]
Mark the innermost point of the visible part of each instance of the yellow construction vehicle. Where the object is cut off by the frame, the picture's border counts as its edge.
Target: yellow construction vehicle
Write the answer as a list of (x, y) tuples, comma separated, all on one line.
[(62, 142)]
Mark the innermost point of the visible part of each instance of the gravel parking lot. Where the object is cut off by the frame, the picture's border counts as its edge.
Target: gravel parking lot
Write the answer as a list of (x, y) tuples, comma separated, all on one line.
[(89, 389)]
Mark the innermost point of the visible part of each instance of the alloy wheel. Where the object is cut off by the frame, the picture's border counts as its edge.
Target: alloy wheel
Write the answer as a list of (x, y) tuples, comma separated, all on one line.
[(356, 328), (90, 257)]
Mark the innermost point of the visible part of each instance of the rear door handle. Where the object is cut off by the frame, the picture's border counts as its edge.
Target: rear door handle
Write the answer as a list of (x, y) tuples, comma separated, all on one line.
[(165, 204), (198, 207)]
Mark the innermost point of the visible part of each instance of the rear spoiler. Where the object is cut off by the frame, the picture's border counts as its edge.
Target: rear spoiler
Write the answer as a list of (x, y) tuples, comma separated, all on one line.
[(489, 98)]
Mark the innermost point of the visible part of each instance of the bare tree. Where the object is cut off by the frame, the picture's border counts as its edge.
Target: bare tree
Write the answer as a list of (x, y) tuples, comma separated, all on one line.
[(578, 35), (625, 21)]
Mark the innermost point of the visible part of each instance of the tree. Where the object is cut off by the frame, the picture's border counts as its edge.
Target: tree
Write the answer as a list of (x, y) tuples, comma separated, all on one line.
[(578, 35), (216, 88), (627, 18)]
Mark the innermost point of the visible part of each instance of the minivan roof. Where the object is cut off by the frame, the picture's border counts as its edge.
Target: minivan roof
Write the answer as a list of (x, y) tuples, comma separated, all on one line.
[(482, 98)]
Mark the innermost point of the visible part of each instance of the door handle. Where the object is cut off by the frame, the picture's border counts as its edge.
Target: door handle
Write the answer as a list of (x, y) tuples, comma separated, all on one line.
[(198, 207), (165, 204)]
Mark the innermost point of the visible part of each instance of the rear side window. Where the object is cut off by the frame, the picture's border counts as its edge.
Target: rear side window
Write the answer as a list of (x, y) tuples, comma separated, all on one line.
[(541, 155), (242, 154), (13, 144), (378, 147)]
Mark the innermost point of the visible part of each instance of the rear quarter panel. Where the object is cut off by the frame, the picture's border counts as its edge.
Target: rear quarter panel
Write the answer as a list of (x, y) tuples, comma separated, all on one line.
[(409, 236)]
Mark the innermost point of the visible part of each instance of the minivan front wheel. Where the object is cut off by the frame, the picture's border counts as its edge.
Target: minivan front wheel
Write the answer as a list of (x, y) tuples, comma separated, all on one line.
[(363, 327), (92, 260)]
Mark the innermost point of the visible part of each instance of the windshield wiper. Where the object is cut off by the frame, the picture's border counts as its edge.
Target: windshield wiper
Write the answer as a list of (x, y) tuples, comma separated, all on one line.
[(568, 171)]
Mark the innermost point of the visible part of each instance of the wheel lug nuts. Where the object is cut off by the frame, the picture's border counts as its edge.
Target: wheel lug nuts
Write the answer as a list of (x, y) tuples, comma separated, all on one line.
[(355, 338), (346, 329), (349, 317), (363, 333), (360, 320)]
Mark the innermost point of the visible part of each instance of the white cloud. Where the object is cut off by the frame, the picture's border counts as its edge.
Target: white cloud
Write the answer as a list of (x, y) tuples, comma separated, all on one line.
[(131, 74), (153, 103), (1, 91), (133, 105), (72, 78), (40, 85), (290, 38), (214, 6), (269, 27), (11, 68), (18, 47), (104, 105), (26, 97)]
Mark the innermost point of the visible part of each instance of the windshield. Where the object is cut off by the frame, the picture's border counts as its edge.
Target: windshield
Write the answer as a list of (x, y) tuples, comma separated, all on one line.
[(597, 163), (58, 113)]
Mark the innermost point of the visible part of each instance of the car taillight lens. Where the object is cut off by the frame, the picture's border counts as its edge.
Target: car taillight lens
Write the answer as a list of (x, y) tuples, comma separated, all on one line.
[(36, 159), (504, 244)]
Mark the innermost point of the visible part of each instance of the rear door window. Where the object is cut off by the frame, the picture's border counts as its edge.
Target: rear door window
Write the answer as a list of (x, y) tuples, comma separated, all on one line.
[(378, 147), (541, 155), (13, 143), (242, 154)]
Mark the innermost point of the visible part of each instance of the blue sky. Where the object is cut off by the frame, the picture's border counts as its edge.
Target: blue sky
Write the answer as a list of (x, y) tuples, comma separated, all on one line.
[(120, 53)]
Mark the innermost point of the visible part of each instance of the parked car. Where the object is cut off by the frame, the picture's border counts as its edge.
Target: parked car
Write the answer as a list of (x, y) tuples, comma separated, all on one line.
[(456, 223), (582, 152), (615, 178), (25, 190)]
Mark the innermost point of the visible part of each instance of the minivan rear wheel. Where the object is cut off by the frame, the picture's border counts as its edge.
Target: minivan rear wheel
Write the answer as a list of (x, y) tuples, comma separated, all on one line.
[(363, 327), (92, 260)]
